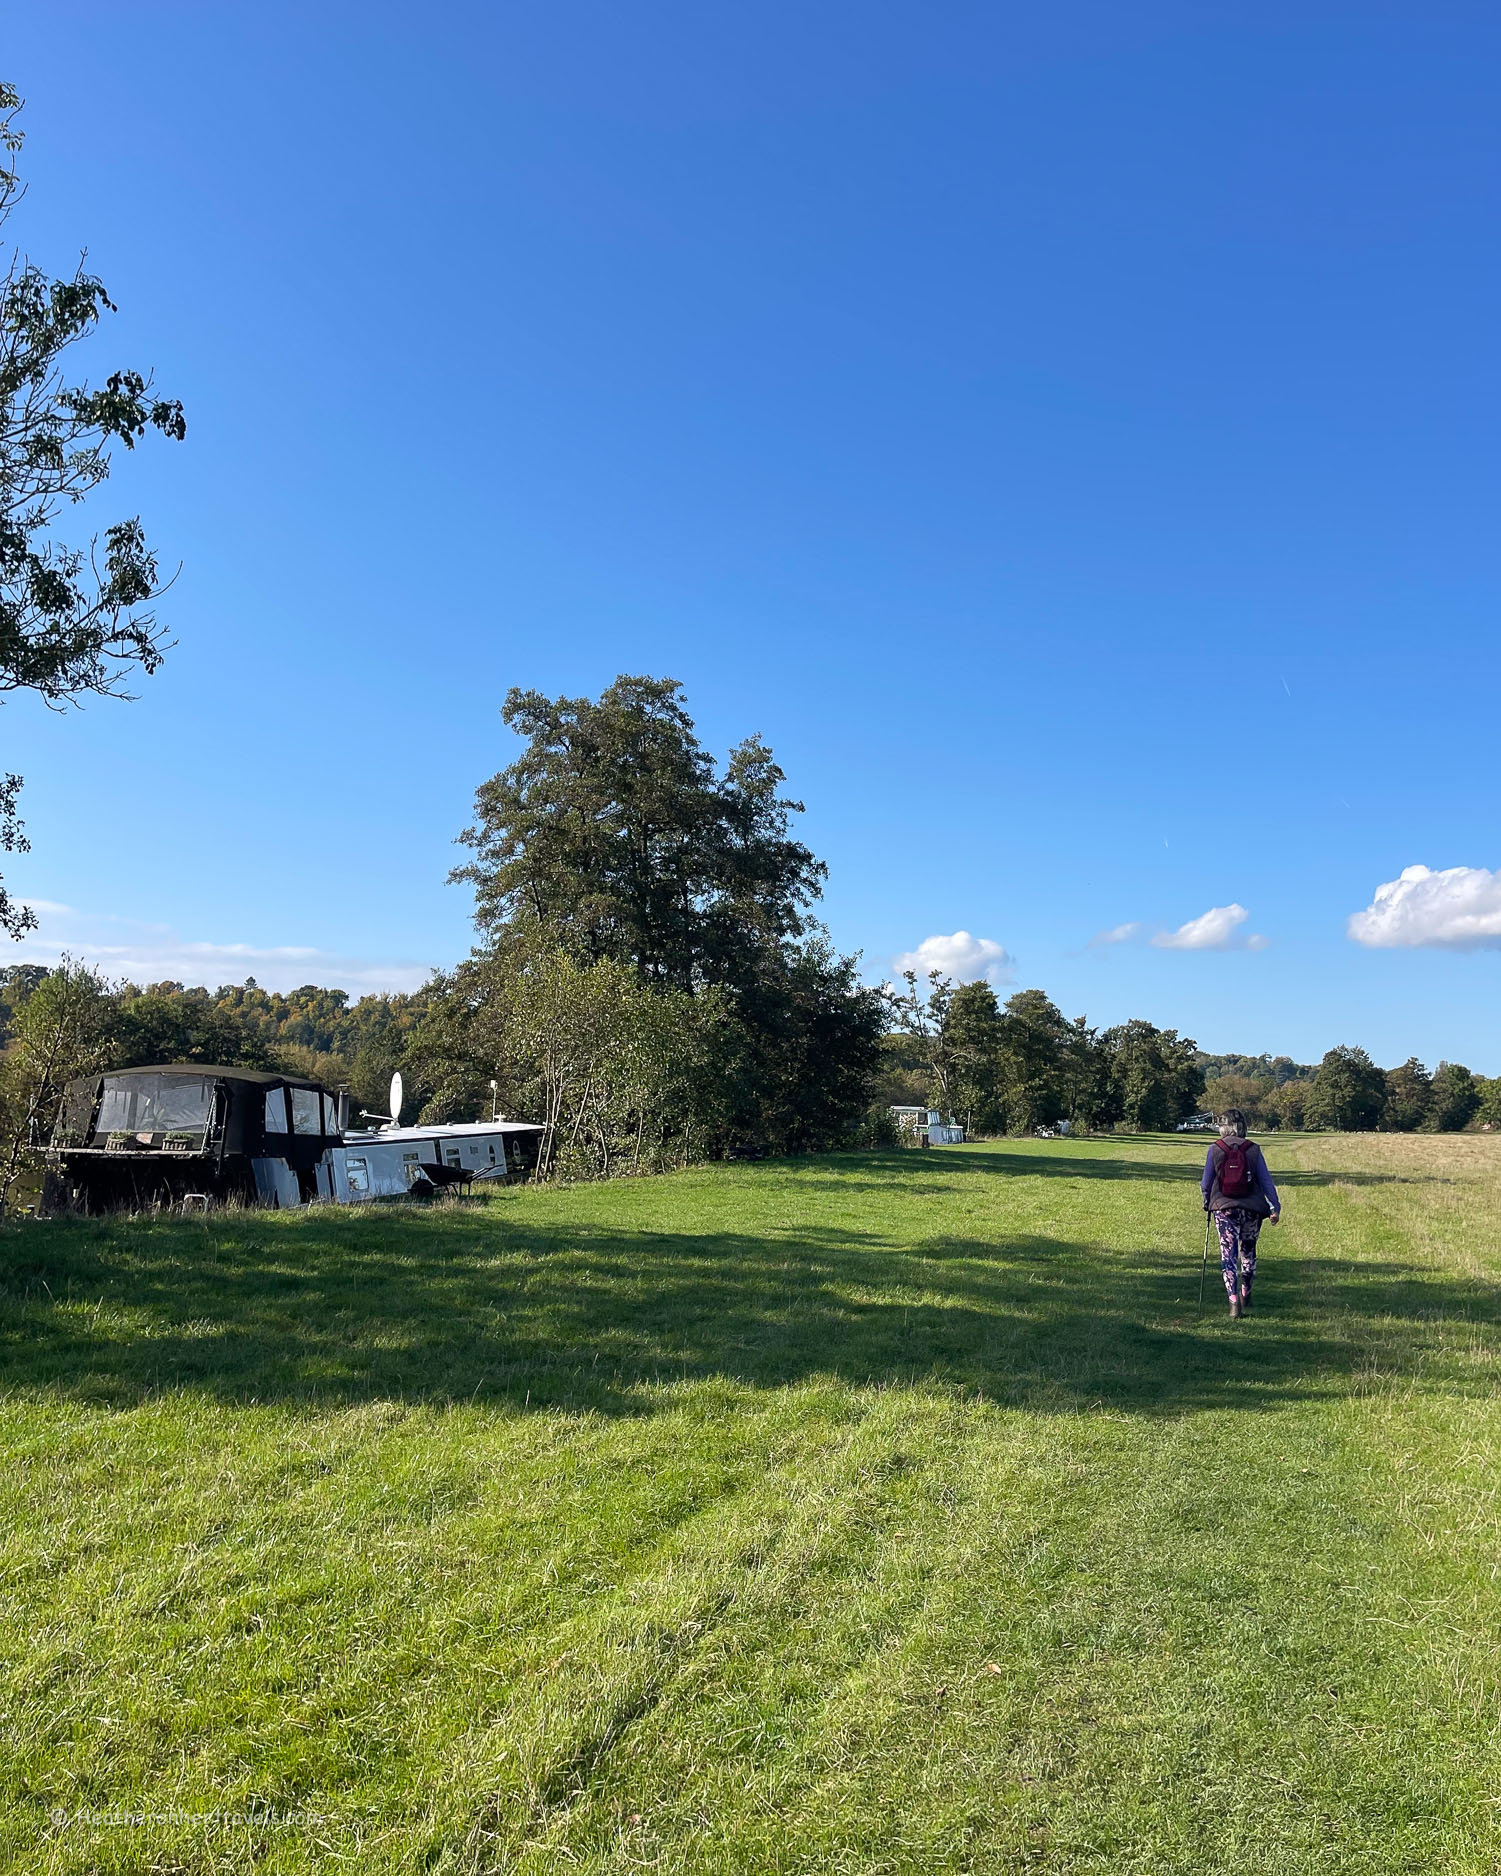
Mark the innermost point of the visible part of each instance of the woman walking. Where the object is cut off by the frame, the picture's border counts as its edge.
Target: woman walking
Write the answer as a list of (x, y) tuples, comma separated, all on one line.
[(1238, 1190)]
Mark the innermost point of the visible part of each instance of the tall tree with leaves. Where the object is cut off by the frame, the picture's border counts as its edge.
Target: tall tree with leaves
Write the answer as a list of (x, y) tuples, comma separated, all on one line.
[(1408, 1092), (1036, 1045), (1086, 1076), (615, 833), (1453, 1099), (801, 1055), (170, 1024), (74, 621), (1247, 1092), (615, 838), (1488, 1108), (1155, 1078), (1286, 1107), (972, 1038), (1348, 1092)]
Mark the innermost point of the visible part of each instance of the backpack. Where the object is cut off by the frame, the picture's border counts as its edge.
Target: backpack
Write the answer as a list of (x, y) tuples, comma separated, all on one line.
[(1236, 1181)]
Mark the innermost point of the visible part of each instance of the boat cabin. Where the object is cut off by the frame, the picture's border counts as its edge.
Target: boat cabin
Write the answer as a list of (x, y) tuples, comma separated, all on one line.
[(180, 1131), (142, 1136)]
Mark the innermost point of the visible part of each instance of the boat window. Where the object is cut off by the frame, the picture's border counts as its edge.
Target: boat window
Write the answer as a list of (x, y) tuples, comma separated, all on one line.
[(358, 1172), (305, 1117), (78, 1112), (155, 1103), (330, 1113), (276, 1110), (117, 1107)]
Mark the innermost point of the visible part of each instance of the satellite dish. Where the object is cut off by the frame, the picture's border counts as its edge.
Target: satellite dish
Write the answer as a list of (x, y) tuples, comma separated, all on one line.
[(395, 1099)]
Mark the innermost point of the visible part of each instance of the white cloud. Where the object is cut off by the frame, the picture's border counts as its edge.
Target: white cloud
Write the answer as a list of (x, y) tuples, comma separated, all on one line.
[(1117, 935), (153, 954), (1458, 907), (1218, 929), (959, 956)]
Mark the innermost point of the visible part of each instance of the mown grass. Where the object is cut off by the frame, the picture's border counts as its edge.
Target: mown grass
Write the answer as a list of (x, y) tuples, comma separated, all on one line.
[(880, 1513)]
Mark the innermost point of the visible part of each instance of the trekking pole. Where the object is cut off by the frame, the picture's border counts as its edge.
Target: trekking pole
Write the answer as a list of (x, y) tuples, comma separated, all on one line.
[(1204, 1269)]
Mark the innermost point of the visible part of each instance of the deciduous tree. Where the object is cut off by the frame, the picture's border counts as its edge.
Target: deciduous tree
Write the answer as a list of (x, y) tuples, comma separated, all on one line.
[(614, 834), (1155, 1079), (1250, 1093), (1034, 1050), (61, 1030), (972, 1045), (621, 1075), (1453, 1099), (1286, 1106), (801, 1048), (168, 1023), (74, 621), (1409, 1091), (1348, 1092)]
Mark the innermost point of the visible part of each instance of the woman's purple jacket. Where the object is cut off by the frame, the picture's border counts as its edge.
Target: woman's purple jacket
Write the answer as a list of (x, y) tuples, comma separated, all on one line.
[(1263, 1179)]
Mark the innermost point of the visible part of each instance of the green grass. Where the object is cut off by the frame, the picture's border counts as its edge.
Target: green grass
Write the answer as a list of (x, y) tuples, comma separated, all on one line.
[(879, 1513)]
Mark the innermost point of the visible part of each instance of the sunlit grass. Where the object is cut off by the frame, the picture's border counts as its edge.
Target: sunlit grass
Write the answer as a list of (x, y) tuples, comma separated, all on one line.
[(891, 1512)]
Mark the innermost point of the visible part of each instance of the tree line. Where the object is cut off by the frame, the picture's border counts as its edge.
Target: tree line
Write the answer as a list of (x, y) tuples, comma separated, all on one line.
[(1024, 1066), (649, 984), (311, 1031), (1348, 1092)]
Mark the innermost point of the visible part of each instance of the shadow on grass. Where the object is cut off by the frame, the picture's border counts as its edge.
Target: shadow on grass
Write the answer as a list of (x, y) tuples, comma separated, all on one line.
[(943, 1164), (1089, 1164), (495, 1302)]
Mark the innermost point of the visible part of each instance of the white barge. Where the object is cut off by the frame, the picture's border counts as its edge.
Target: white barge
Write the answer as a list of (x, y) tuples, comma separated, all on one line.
[(390, 1162)]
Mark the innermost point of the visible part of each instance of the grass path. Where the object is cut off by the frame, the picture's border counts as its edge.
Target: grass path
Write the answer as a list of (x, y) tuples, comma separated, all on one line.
[(879, 1513)]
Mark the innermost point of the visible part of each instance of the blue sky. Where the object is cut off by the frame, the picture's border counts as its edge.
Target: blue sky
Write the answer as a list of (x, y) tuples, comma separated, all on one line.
[(1068, 434)]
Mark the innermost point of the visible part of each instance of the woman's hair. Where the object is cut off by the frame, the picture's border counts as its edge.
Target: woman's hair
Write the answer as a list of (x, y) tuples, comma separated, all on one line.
[(1232, 1124)]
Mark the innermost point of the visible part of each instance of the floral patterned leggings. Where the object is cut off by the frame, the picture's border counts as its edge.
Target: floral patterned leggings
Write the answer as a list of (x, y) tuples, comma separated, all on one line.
[(1239, 1230)]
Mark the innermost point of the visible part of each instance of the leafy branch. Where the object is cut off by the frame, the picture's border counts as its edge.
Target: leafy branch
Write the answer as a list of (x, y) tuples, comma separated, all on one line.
[(74, 621)]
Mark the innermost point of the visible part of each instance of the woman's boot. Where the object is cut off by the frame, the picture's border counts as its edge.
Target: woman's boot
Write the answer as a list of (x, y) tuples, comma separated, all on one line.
[(1235, 1305)]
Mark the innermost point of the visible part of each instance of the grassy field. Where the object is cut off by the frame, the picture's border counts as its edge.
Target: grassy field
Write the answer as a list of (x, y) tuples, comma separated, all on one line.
[(880, 1513)]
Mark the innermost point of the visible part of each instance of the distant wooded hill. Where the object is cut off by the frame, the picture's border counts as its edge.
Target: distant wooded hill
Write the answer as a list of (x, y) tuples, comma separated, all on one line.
[(1276, 1069), (311, 1030)]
